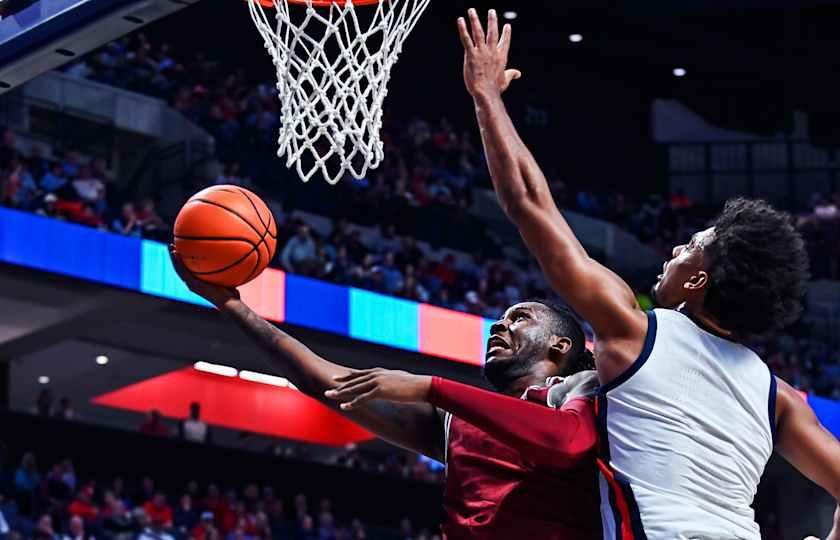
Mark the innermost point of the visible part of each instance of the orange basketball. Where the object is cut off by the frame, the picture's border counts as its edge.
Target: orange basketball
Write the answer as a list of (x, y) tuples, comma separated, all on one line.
[(225, 235)]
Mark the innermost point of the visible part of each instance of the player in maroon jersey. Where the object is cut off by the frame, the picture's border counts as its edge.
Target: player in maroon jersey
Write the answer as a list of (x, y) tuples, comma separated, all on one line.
[(546, 488)]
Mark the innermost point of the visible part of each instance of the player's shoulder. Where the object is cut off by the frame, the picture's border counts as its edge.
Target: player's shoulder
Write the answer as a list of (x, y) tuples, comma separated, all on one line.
[(788, 398)]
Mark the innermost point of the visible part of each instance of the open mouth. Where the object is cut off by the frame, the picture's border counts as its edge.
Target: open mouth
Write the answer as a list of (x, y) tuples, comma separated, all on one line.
[(496, 344)]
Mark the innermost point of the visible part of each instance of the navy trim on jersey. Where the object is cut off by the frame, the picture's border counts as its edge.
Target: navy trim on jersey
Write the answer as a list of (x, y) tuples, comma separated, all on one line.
[(616, 513), (771, 405), (635, 515), (650, 338), (601, 424)]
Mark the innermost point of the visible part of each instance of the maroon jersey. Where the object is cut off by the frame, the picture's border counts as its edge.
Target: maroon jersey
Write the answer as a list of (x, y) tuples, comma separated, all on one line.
[(517, 470)]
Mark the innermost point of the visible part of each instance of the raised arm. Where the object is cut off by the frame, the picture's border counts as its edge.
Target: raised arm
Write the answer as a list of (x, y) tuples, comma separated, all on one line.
[(804, 442), (596, 293), (415, 427)]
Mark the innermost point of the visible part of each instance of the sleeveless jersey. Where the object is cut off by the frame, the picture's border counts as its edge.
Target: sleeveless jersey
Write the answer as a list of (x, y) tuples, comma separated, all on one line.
[(684, 436), (493, 493)]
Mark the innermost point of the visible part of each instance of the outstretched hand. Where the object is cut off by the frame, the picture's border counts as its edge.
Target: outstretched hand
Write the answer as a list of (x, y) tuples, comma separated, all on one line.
[(214, 294), (486, 56), (361, 386)]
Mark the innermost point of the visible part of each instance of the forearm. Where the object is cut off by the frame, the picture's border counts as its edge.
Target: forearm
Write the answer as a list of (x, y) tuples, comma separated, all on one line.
[(309, 372), (545, 436), (517, 179), (414, 427)]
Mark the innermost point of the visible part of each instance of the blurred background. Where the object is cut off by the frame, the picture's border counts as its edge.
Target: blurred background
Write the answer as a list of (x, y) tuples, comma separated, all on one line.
[(645, 118)]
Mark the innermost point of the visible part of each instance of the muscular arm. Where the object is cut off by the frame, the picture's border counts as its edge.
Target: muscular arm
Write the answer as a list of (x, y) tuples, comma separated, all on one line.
[(596, 293), (412, 426), (804, 442), (550, 437)]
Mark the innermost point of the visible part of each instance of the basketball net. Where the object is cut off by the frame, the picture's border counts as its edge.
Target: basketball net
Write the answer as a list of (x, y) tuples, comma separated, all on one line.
[(333, 67)]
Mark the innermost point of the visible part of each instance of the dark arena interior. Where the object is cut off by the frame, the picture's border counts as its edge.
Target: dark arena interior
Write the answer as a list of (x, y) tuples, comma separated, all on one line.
[(130, 408)]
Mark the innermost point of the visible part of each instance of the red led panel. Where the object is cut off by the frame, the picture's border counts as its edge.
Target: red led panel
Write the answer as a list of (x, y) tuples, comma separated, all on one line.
[(237, 404), (451, 334), (266, 295)]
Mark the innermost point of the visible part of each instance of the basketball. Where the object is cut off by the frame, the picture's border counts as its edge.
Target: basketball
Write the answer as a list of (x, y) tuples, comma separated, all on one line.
[(225, 235)]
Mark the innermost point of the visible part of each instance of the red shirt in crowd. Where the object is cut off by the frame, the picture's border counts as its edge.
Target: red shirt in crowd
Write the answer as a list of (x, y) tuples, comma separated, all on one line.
[(516, 469), (158, 514)]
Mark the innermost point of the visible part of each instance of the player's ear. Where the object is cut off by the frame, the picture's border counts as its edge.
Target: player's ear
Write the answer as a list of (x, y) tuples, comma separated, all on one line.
[(697, 281), (560, 345)]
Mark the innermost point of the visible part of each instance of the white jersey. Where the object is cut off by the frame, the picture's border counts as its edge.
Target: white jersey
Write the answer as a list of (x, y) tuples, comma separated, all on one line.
[(686, 433)]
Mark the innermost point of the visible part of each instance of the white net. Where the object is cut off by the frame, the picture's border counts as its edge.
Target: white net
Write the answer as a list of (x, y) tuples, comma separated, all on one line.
[(333, 65)]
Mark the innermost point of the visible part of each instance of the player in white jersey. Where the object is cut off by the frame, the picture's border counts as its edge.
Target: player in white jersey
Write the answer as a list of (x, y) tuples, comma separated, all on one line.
[(689, 416)]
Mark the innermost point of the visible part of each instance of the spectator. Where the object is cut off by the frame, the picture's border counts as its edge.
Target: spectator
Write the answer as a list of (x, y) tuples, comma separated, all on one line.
[(154, 425), (185, 517), (44, 403), (58, 492), (83, 506), (65, 410), (48, 207), (27, 481), (158, 510), (151, 223), (4, 523), (44, 529), (306, 530), (205, 528), (391, 275), (54, 181), (680, 201), (127, 223), (155, 531), (76, 530), (119, 522), (90, 189), (300, 254), (193, 429), (20, 188)]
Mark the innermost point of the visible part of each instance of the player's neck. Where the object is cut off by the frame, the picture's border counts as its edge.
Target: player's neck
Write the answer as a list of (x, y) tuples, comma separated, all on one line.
[(706, 321), (537, 376)]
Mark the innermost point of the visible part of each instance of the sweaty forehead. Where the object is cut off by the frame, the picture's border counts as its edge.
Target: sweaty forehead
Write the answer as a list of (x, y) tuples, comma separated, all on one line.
[(703, 238), (529, 307)]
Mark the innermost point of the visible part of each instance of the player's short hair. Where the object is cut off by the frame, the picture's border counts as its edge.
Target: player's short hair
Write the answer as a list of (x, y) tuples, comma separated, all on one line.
[(566, 324), (758, 269)]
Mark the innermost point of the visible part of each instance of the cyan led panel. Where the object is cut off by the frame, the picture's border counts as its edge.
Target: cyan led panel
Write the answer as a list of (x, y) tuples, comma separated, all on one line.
[(487, 325), (316, 304), (159, 277), (384, 319), (73, 250)]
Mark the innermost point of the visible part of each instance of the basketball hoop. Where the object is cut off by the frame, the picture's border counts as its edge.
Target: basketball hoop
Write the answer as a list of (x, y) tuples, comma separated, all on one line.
[(333, 67)]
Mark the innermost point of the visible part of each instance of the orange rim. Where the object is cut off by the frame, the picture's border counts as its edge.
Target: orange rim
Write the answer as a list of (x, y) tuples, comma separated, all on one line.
[(320, 3)]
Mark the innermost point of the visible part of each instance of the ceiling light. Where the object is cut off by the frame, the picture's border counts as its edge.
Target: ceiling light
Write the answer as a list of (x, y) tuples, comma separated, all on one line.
[(679, 72), (510, 15), (43, 379), (575, 38), (216, 369), (101, 359), (273, 380)]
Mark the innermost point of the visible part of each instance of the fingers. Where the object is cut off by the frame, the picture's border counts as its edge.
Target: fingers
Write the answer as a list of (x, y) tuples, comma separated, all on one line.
[(504, 42), (353, 375), (464, 32), (492, 28), (358, 401), (477, 30), (176, 260), (350, 391)]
